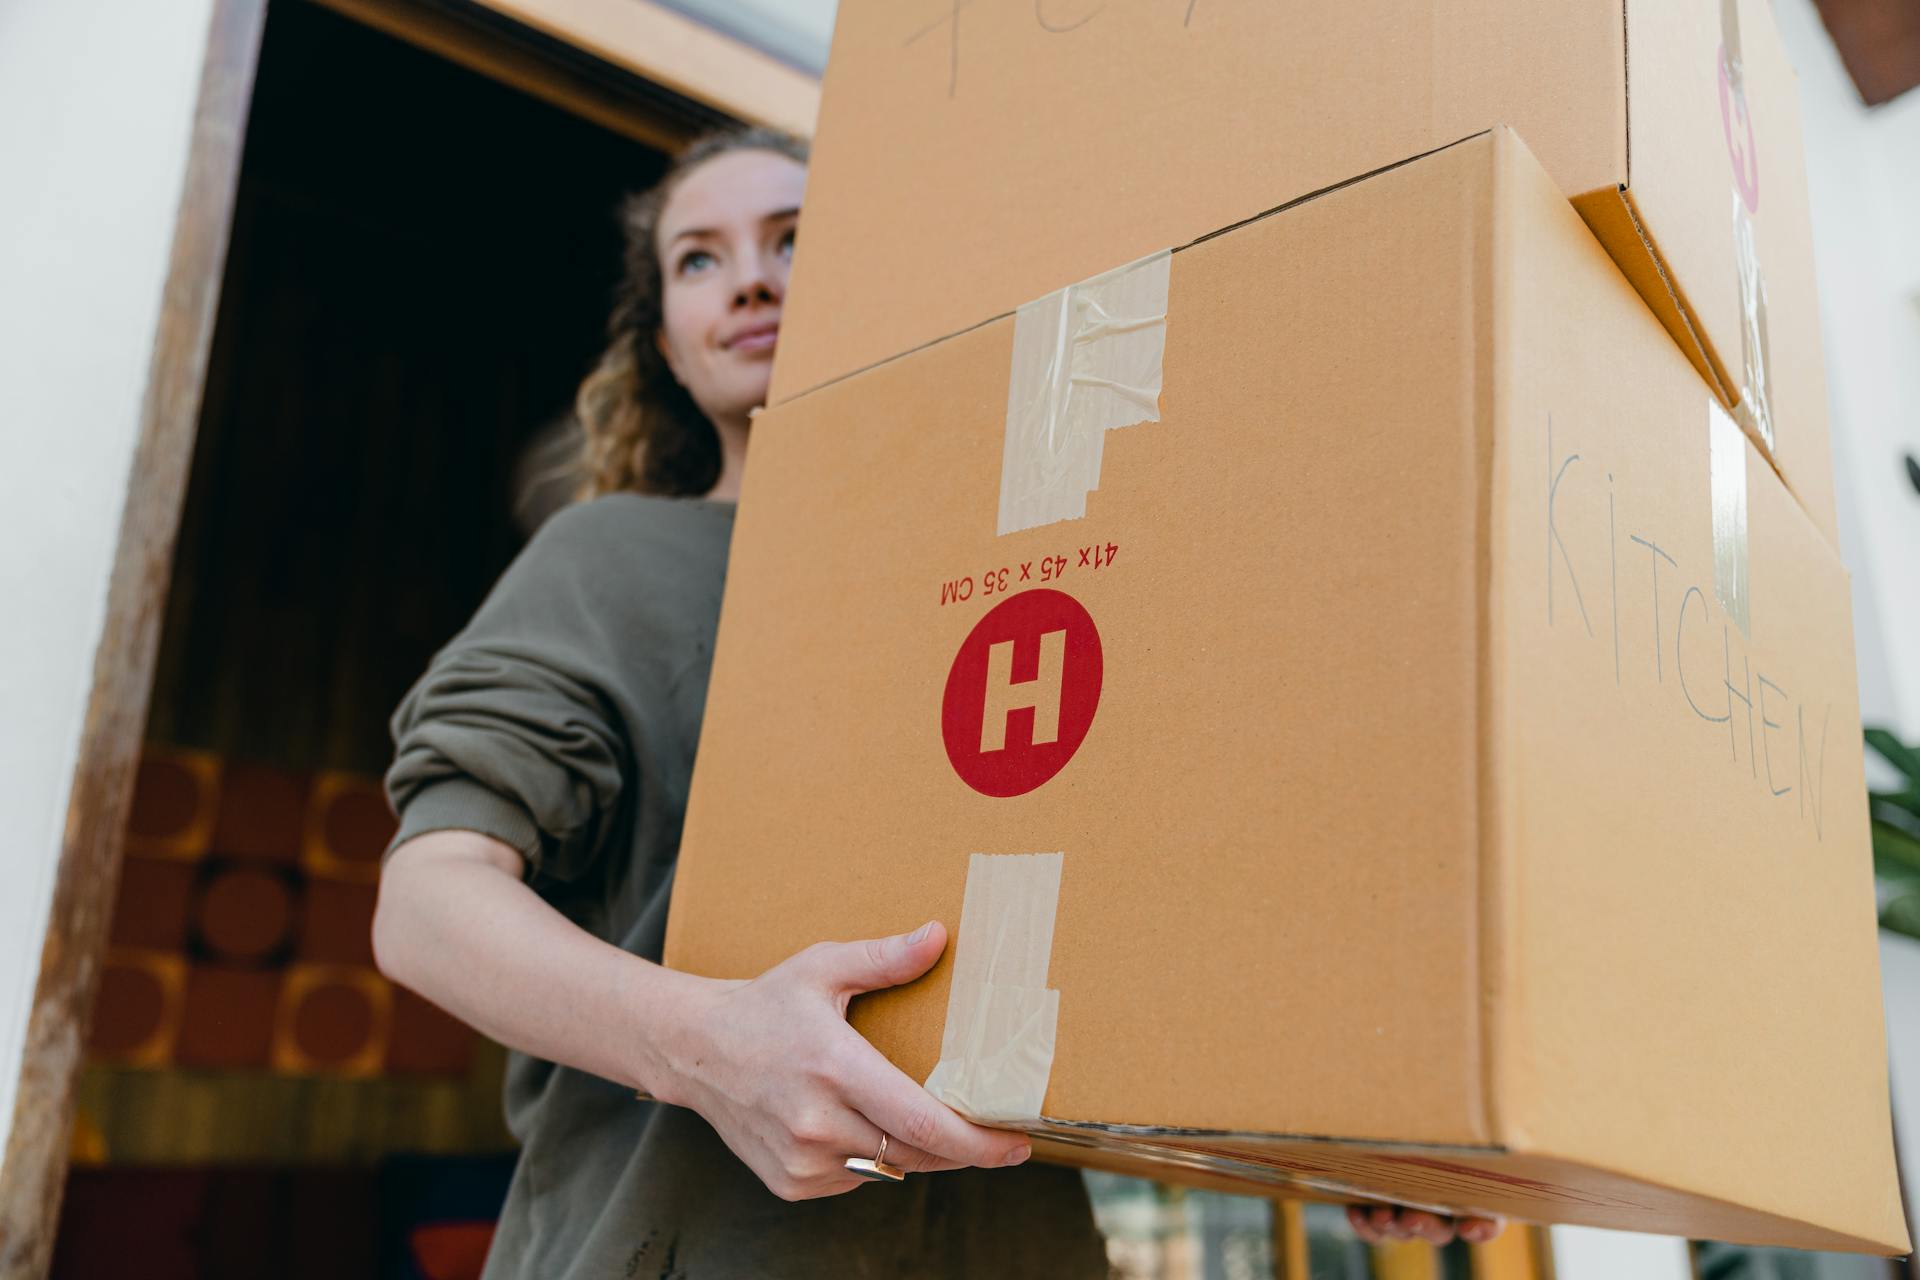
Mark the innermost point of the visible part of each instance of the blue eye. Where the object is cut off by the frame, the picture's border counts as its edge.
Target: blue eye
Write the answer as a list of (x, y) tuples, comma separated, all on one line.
[(786, 243), (696, 260)]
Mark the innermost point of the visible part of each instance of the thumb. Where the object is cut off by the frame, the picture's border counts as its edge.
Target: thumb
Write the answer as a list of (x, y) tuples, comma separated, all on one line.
[(853, 967)]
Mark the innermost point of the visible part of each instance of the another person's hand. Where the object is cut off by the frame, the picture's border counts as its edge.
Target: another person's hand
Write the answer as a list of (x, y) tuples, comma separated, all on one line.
[(1379, 1223), (794, 1091)]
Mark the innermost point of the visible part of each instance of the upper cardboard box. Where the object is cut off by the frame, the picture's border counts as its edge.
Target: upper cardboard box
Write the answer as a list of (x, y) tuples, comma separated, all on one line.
[(972, 157)]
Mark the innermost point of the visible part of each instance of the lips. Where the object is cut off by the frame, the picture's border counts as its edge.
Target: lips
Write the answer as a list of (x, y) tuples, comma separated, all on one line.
[(758, 338)]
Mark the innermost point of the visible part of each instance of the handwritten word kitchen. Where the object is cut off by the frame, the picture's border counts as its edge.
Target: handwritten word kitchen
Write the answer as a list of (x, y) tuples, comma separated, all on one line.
[(1690, 650)]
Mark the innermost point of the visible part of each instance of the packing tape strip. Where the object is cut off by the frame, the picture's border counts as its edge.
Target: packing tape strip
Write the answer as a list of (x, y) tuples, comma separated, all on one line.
[(1727, 479), (1756, 393), (996, 1052), (1086, 359)]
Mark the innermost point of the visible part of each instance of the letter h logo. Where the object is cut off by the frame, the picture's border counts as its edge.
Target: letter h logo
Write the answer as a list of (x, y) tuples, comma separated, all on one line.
[(1041, 693), (1021, 693)]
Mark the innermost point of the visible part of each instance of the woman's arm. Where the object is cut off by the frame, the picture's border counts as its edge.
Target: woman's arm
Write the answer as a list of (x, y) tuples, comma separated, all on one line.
[(456, 923), (772, 1064)]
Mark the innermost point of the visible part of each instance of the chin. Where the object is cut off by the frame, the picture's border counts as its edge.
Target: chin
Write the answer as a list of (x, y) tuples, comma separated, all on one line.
[(748, 397)]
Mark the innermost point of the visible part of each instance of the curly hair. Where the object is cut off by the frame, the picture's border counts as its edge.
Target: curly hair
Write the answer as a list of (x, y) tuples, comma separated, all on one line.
[(642, 431)]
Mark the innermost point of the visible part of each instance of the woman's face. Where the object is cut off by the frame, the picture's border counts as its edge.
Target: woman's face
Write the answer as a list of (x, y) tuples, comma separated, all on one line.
[(725, 244)]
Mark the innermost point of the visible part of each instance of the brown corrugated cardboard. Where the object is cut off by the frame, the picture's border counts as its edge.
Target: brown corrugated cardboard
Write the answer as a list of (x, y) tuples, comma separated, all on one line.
[(972, 157), (1428, 827)]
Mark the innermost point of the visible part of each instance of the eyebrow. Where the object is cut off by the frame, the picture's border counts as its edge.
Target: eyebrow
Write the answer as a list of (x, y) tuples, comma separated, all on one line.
[(775, 216)]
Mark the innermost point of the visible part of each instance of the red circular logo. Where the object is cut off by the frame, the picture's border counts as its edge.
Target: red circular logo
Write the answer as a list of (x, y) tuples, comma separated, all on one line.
[(1022, 692)]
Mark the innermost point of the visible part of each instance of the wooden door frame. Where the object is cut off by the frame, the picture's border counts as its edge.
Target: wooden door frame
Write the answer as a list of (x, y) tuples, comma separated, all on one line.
[(613, 92), (634, 67), (33, 1169)]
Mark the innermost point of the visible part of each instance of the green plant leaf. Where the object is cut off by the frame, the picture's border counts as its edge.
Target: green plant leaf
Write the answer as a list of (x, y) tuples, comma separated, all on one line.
[(1898, 753), (1902, 916), (1903, 803), (1892, 845), (1897, 847), (1897, 876)]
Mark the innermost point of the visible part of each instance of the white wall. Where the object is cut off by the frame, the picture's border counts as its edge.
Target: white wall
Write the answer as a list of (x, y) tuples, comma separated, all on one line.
[(96, 107), (1900, 980), (1585, 1253), (1863, 172)]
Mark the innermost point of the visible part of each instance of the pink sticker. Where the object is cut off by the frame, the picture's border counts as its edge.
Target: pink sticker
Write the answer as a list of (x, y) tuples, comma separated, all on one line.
[(1737, 124)]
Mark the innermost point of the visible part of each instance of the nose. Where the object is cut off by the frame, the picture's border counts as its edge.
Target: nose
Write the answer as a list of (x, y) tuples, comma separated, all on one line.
[(757, 279)]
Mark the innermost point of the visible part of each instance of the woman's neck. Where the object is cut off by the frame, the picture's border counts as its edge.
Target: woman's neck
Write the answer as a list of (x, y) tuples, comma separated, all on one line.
[(733, 458)]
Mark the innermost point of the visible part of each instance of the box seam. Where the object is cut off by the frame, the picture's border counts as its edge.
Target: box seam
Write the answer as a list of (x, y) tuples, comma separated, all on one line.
[(1490, 403), (1626, 86), (1294, 203), (1718, 384), (1716, 369)]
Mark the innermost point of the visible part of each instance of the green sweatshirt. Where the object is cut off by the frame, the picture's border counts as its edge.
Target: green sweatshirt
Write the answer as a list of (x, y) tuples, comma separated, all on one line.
[(563, 722)]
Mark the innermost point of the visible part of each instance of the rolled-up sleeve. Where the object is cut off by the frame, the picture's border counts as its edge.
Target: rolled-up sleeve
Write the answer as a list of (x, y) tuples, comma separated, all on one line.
[(514, 730)]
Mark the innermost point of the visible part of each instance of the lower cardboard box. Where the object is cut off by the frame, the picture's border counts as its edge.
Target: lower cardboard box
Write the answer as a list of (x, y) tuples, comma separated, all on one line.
[(1372, 727)]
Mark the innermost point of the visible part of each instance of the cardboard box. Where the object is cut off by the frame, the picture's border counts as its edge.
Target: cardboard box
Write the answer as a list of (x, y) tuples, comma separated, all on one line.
[(971, 158), (1446, 722)]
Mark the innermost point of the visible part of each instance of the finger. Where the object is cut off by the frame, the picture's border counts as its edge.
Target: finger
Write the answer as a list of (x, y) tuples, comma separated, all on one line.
[(863, 1139), (1430, 1227), (811, 1168), (1480, 1230), (850, 968), (837, 1183), (1386, 1223), (912, 1159), (794, 1179), (884, 1095), (1362, 1225)]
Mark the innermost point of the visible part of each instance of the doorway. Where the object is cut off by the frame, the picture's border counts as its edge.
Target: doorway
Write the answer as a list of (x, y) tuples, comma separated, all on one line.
[(419, 272)]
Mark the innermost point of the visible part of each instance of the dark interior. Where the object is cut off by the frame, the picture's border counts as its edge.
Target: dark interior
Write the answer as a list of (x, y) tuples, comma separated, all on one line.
[(420, 272)]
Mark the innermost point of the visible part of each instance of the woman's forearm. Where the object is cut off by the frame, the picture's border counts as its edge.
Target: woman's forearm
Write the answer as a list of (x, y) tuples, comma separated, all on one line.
[(770, 1063), (456, 924)]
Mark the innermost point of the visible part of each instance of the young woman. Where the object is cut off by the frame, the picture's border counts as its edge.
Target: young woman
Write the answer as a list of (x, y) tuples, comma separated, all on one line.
[(540, 777)]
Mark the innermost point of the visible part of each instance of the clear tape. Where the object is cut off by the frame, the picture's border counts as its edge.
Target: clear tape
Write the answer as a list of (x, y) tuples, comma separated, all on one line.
[(1086, 359), (1756, 393), (1755, 407), (996, 1052), (1727, 472)]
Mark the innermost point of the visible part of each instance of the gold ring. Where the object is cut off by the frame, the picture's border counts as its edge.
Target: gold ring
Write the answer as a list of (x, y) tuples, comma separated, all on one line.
[(877, 1168)]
